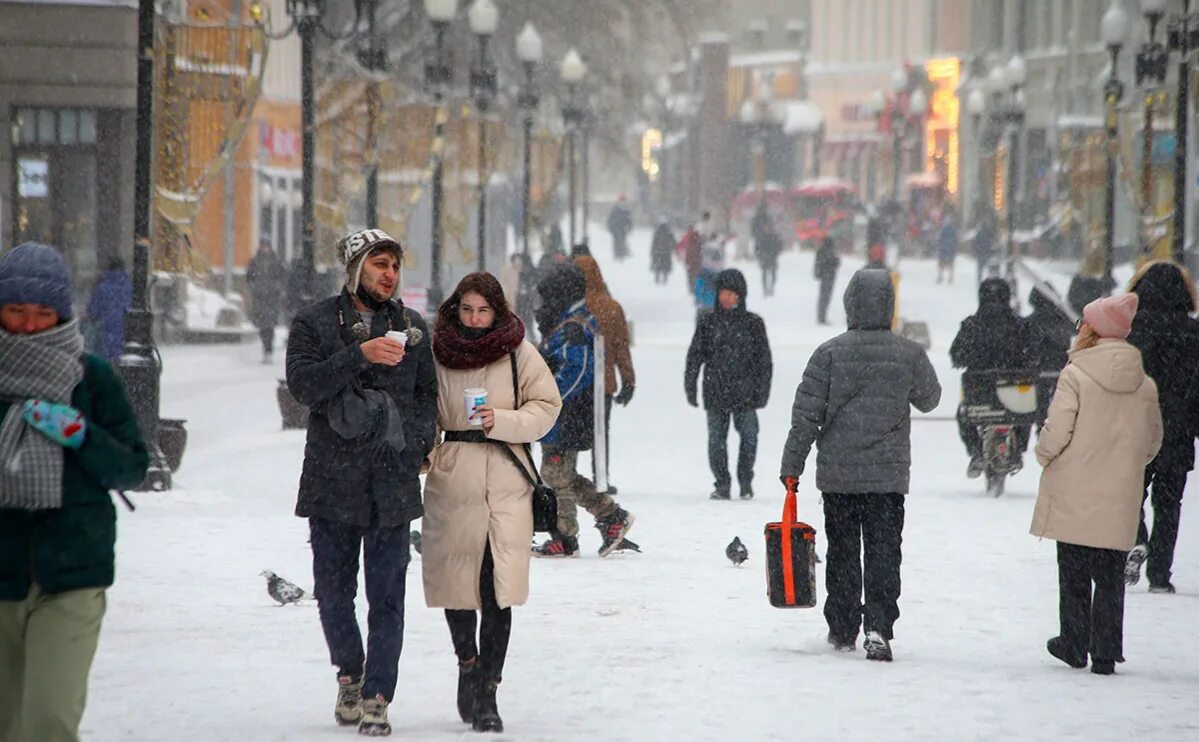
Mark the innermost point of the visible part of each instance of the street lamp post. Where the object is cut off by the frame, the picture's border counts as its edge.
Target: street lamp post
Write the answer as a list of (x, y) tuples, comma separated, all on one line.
[(484, 18), (976, 105), (899, 85), (1114, 29), (1183, 36), (572, 72), (585, 169), (438, 75), (528, 51), (374, 59), (1015, 75), (1151, 62)]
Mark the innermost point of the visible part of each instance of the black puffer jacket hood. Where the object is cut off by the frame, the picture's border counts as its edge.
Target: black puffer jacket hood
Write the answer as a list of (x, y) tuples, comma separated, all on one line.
[(562, 287), (994, 292), (733, 280), (870, 300), (1163, 287)]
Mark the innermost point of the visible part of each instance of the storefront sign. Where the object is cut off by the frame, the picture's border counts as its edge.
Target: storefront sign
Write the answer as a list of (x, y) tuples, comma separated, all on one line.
[(33, 178)]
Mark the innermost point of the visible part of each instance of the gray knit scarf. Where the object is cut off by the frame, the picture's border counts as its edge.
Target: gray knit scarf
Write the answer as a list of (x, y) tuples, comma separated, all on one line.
[(44, 366)]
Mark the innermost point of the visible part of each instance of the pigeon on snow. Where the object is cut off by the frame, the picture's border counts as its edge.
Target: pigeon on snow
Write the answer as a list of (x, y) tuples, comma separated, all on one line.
[(736, 551), (283, 591)]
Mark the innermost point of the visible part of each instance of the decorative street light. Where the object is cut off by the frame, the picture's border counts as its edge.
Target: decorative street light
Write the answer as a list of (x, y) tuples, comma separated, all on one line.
[(1151, 62), (1114, 29), (1183, 37), (484, 18), (572, 72), (439, 72), (528, 51), (1013, 114)]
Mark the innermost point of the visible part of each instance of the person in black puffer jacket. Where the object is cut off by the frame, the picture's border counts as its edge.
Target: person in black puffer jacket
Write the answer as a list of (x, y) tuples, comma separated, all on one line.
[(1050, 332), (992, 338), (731, 347), (1168, 339), (855, 404)]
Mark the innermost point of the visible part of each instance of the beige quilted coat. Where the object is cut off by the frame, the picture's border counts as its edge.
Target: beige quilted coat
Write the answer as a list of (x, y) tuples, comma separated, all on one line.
[(474, 493), (1103, 428)]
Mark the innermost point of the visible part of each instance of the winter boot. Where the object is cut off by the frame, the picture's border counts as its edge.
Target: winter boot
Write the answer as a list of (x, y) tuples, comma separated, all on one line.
[(1057, 648), (719, 494), (1132, 565), (468, 689), (842, 645), (747, 493), (1103, 667), (374, 718), (877, 647), (348, 710), (612, 529), (974, 469), (1165, 588), (557, 547), (487, 716)]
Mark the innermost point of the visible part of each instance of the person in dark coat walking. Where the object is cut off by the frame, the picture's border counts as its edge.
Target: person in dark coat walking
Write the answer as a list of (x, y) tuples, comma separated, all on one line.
[(990, 339), (1049, 332), (372, 402), (827, 263), (731, 348), (767, 247), (620, 223), (267, 280), (65, 417), (110, 300), (986, 235), (1168, 339), (661, 261), (947, 246), (854, 403)]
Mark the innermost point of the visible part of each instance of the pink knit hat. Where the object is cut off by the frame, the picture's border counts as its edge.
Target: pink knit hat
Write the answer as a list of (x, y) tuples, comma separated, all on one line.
[(1111, 317)]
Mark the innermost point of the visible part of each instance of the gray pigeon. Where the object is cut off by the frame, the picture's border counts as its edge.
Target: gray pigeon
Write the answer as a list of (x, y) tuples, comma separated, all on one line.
[(415, 538), (283, 591), (736, 551)]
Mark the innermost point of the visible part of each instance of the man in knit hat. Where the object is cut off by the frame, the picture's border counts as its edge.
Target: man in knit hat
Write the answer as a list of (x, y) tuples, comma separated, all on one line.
[(372, 399)]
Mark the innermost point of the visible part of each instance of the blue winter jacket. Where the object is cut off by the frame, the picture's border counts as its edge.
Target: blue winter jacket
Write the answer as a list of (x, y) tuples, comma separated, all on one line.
[(569, 351)]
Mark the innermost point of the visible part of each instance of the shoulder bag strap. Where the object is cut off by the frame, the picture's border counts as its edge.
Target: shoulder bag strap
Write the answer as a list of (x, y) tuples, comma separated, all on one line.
[(534, 478)]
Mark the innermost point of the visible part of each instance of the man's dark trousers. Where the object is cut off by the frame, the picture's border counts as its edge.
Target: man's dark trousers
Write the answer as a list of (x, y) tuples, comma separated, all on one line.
[(746, 423), (1167, 484), (826, 298), (864, 532), (1091, 623), (335, 548)]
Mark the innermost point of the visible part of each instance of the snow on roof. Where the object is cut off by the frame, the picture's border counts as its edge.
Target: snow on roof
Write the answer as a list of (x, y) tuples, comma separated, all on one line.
[(801, 117), (764, 59)]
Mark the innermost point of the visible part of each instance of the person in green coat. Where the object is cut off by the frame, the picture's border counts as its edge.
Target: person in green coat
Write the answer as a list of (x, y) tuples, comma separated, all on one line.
[(67, 437)]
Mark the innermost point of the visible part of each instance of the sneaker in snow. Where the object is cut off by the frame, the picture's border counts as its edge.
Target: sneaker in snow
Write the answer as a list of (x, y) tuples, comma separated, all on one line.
[(348, 710), (557, 547), (1132, 565), (747, 493), (627, 545), (612, 529), (974, 469), (719, 495), (1167, 588), (374, 718), (842, 645), (877, 647)]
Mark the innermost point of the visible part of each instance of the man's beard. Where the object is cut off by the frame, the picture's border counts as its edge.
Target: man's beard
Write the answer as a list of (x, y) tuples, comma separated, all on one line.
[(370, 298)]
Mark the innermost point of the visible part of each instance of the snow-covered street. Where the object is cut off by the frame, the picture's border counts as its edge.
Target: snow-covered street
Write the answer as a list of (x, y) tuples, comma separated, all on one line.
[(672, 644)]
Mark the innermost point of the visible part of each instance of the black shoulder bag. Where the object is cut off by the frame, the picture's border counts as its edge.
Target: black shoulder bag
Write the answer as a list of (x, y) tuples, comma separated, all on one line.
[(545, 500)]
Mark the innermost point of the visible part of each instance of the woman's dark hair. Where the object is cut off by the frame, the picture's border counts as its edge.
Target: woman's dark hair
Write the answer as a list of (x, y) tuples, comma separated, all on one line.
[(483, 284)]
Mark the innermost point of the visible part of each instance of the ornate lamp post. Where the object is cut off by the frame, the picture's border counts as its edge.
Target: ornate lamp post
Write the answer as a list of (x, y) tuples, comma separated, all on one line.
[(1015, 75), (439, 72), (484, 18), (1183, 37), (976, 105), (528, 51), (572, 72), (1151, 63), (1114, 29)]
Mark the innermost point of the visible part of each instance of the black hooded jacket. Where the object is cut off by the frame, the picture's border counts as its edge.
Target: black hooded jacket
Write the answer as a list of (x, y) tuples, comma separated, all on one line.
[(1049, 332), (993, 337), (730, 346), (855, 397), (1169, 343)]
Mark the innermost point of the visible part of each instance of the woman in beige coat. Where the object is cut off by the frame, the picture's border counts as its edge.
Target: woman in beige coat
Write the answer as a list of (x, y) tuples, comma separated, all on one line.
[(478, 507), (1103, 427)]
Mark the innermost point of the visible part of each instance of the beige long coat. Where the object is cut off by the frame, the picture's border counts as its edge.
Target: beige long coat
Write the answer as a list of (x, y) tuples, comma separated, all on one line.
[(474, 493), (1103, 428)]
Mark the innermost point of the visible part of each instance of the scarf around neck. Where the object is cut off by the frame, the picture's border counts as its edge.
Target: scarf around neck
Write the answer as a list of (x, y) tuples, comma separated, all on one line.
[(453, 349), (44, 366)]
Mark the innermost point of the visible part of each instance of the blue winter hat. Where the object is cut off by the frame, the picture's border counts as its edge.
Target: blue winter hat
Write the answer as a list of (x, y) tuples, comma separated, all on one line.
[(33, 273)]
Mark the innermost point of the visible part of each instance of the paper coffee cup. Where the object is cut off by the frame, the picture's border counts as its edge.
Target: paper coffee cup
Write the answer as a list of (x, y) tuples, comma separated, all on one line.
[(474, 397), (399, 336)]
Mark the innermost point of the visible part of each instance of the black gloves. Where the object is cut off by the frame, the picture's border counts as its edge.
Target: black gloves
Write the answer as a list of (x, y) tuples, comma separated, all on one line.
[(625, 395)]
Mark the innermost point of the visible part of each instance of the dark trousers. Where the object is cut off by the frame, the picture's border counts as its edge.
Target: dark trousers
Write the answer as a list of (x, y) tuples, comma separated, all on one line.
[(267, 335), (825, 298), (385, 558), (607, 443), (1166, 485), (770, 276), (746, 423), (865, 533), (974, 441), (494, 633), (1091, 601)]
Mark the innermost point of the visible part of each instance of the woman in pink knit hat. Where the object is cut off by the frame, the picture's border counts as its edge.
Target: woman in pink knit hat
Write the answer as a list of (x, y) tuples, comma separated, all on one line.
[(1103, 427)]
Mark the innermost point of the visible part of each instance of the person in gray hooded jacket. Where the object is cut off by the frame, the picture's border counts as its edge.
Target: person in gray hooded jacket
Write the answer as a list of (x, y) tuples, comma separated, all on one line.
[(854, 404)]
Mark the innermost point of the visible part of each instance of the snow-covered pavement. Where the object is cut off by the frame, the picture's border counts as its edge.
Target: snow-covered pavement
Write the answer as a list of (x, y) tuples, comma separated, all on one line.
[(671, 644)]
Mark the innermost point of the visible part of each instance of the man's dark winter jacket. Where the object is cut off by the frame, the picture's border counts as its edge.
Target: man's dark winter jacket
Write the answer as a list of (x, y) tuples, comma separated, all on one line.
[(360, 482), (993, 337), (853, 402), (730, 346), (1169, 343), (267, 280), (827, 261), (1049, 332), (106, 310), (568, 333), (71, 548)]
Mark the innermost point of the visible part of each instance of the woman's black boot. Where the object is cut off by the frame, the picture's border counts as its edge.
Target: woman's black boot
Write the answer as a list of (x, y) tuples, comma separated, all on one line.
[(468, 689), (487, 716)]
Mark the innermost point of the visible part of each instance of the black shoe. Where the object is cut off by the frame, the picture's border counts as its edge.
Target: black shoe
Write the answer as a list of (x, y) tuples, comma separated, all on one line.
[(612, 530), (1166, 588), (719, 494), (1132, 564), (1057, 648), (468, 689), (841, 644), (1103, 667), (627, 545), (747, 493), (877, 647), (487, 716)]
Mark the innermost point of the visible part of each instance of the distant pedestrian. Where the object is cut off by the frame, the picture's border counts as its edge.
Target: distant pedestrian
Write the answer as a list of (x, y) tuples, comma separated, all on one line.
[(691, 248), (267, 280), (767, 247), (854, 404), (731, 350), (1103, 429), (827, 263), (620, 223), (661, 250), (106, 311), (705, 283), (986, 237), (947, 246)]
